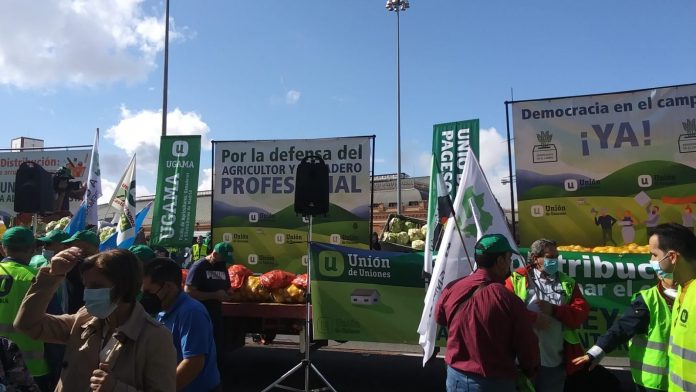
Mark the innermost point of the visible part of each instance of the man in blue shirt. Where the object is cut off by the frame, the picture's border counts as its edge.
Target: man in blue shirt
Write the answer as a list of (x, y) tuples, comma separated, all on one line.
[(189, 322)]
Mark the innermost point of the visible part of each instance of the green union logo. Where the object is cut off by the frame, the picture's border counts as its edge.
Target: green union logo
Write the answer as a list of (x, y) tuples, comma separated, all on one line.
[(331, 263)]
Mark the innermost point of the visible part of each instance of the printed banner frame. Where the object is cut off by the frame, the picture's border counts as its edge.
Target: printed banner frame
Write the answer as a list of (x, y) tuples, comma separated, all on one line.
[(253, 199), (603, 169)]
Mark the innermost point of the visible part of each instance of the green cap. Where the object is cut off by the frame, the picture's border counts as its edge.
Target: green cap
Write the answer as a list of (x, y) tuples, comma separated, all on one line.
[(54, 236), (493, 243), (18, 237), (143, 252), (87, 236), (225, 250)]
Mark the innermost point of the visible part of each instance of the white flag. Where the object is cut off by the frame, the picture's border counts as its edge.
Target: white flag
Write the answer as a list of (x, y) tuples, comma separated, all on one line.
[(120, 196), (477, 213), (94, 189), (126, 221)]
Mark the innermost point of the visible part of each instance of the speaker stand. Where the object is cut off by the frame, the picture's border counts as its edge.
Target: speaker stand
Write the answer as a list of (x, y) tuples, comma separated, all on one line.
[(306, 363)]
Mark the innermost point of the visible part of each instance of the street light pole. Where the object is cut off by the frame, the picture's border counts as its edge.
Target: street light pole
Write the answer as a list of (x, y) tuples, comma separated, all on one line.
[(398, 6), (166, 70)]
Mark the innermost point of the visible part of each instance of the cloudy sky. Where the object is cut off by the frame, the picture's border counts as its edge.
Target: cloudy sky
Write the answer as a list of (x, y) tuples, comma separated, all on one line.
[(276, 69)]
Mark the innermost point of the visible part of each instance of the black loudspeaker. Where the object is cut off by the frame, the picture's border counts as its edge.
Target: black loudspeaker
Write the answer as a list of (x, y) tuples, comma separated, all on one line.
[(33, 189), (312, 187)]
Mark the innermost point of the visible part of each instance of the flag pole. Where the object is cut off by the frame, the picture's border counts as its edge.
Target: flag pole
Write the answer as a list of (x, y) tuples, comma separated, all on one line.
[(512, 189), (166, 70)]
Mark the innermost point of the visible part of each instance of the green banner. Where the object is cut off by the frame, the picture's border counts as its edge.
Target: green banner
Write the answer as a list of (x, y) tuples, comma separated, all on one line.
[(366, 295), (451, 144), (177, 186)]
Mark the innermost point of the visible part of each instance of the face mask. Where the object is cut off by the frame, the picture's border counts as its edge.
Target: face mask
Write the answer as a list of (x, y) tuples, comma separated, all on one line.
[(151, 302), (550, 265), (655, 264), (47, 254), (98, 302)]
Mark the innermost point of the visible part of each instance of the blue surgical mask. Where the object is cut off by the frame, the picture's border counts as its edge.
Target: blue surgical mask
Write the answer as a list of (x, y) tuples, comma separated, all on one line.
[(98, 302), (655, 264), (551, 265)]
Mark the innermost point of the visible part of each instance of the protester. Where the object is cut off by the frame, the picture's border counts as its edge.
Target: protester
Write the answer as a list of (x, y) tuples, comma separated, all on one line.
[(207, 240), (556, 307), (111, 343), (673, 246), (14, 375), (88, 243), (52, 244), (646, 323), (488, 326), (143, 252), (199, 249), (16, 277), (374, 241), (189, 323), (208, 282)]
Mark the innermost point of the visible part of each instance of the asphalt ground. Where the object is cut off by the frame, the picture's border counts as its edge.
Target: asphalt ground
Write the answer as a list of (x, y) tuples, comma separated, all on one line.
[(351, 366)]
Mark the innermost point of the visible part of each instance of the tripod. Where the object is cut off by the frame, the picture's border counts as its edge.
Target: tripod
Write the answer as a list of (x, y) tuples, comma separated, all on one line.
[(306, 363)]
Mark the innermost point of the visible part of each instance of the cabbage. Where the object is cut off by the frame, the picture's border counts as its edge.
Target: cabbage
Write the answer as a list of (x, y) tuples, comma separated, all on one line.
[(395, 225), (415, 234), (424, 230), (403, 238), (418, 244), (408, 225), (391, 237)]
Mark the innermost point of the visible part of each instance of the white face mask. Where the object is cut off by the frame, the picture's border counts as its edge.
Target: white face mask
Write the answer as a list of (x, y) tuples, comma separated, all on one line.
[(47, 254)]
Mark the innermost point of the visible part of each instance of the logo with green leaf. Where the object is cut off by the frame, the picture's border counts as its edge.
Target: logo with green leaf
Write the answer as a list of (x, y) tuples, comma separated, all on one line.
[(475, 201)]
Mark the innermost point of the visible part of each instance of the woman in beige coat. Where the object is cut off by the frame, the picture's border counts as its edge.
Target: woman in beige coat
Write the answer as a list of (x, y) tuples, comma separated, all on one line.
[(111, 343)]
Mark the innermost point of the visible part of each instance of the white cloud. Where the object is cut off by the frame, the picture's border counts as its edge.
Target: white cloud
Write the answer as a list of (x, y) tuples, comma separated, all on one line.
[(494, 162), (140, 133), (142, 190), (292, 96), (79, 42), (207, 182), (108, 188)]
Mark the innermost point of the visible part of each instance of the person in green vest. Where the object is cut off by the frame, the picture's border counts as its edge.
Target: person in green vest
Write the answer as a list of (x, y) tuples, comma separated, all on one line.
[(673, 247), (199, 250), (557, 308), (52, 244), (16, 277), (645, 325)]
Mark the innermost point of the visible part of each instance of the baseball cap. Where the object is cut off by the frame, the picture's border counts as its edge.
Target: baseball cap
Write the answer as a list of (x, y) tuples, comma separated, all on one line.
[(19, 237), (54, 236), (225, 250), (493, 243), (87, 236), (143, 252)]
